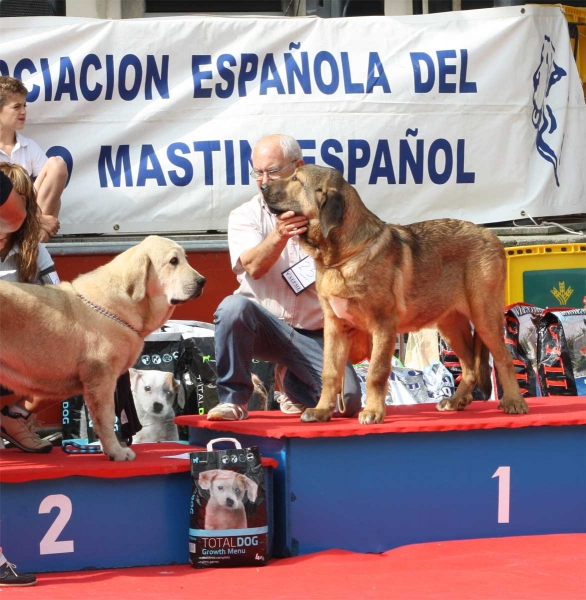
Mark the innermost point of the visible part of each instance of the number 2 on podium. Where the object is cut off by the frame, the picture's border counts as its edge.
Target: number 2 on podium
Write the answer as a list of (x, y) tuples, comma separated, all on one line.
[(49, 544), (504, 477)]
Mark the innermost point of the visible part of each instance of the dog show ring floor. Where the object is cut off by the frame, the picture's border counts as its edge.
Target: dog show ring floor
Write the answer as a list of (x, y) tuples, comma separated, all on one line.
[(548, 567)]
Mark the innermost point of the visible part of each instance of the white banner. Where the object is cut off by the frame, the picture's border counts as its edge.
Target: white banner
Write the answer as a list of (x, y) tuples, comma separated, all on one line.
[(477, 115)]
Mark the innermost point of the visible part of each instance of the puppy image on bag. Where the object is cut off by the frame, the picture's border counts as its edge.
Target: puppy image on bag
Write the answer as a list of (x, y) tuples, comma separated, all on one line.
[(228, 524), (228, 491), (155, 393)]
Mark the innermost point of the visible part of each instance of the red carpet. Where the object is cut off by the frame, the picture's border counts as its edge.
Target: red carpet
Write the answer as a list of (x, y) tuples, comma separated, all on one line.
[(553, 410), (550, 567), (17, 466)]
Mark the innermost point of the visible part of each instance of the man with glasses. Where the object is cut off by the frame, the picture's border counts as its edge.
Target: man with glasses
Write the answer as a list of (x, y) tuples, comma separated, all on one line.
[(268, 318)]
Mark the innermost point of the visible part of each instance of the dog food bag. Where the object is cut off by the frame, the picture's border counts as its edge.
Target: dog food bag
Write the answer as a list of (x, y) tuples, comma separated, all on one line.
[(228, 511), (521, 321), (76, 423), (411, 386), (438, 381), (172, 349), (451, 361), (561, 352), (406, 386), (74, 419)]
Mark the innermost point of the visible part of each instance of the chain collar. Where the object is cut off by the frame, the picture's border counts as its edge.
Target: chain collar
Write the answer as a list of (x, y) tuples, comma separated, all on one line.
[(104, 312)]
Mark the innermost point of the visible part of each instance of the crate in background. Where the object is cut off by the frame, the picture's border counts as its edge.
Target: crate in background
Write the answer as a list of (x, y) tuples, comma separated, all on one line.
[(548, 275)]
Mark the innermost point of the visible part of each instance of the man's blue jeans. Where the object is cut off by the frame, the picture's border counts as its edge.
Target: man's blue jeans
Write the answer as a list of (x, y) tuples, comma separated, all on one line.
[(245, 330)]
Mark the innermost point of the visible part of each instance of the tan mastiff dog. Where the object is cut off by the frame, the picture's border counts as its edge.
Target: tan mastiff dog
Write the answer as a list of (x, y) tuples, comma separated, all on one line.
[(383, 279), (79, 337)]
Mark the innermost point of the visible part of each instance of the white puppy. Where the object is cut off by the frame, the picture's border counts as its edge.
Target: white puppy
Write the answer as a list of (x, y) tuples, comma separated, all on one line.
[(154, 395), (228, 490)]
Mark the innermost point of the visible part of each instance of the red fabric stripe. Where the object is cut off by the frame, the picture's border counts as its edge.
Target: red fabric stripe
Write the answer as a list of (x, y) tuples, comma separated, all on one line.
[(17, 466), (553, 410)]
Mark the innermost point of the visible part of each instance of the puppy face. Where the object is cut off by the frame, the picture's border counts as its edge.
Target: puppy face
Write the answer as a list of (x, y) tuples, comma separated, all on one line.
[(154, 393), (228, 488)]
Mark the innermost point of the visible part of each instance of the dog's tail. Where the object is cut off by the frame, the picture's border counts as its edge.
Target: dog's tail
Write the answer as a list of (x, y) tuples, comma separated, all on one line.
[(482, 367)]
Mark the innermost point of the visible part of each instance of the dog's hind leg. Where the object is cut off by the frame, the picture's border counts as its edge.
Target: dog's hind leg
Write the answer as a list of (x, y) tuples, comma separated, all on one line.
[(455, 330), (488, 322), (379, 370), (99, 397)]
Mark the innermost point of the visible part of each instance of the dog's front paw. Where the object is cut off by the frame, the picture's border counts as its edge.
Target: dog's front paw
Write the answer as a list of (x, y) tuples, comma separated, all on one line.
[(369, 417), (121, 454), (453, 403), (316, 415), (514, 406)]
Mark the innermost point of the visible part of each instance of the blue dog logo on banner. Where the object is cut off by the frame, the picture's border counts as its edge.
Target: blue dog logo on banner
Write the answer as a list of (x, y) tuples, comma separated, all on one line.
[(546, 75)]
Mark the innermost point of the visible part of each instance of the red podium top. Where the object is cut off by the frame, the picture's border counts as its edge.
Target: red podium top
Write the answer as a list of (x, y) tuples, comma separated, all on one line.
[(552, 410), (151, 459)]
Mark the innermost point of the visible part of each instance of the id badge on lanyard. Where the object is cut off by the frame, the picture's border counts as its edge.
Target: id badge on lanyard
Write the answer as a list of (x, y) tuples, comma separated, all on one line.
[(301, 275)]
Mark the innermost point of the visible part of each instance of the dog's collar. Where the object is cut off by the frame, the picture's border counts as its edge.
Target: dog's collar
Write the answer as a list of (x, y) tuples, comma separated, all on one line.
[(106, 313)]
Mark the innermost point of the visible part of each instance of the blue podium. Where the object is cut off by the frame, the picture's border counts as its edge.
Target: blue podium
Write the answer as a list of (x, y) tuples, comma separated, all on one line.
[(422, 476), (62, 512)]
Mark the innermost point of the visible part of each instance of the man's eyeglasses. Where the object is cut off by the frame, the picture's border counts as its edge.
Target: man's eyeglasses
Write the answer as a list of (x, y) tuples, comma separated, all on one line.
[(271, 173)]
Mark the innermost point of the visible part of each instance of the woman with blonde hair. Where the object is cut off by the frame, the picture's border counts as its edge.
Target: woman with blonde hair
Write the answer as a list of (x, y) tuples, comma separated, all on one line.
[(23, 259), (20, 251)]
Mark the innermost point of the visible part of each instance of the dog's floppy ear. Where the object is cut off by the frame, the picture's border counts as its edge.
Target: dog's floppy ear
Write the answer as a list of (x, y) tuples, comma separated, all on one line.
[(206, 477), (251, 488), (331, 212), (136, 276)]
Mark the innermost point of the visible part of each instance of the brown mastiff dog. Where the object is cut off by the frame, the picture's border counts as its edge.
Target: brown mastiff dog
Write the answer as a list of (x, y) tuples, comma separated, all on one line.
[(78, 338), (383, 279)]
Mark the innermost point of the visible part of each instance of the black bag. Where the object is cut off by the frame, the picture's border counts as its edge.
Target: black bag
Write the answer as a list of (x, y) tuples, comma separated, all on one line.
[(450, 360), (521, 322), (228, 525), (162, 352), (561, 352), (76, 423), (197, 374), (196, 369)]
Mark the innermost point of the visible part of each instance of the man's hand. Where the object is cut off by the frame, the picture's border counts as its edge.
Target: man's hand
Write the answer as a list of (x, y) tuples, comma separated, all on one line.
[(289, 224), (258, 260), (49, 227)]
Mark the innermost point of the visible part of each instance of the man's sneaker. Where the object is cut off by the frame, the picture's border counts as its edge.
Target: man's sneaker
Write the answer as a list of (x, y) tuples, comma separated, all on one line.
[(20, 431), (10, 578), (228, 412), (289, 407)]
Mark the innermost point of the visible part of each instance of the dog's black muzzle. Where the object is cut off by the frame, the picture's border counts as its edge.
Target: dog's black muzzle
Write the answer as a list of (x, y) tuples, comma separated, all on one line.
[(270, 200), (197, 292)]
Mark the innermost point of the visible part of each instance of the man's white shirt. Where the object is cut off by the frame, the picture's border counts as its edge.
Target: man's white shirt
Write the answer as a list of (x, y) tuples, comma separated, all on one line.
[(248, 226)]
